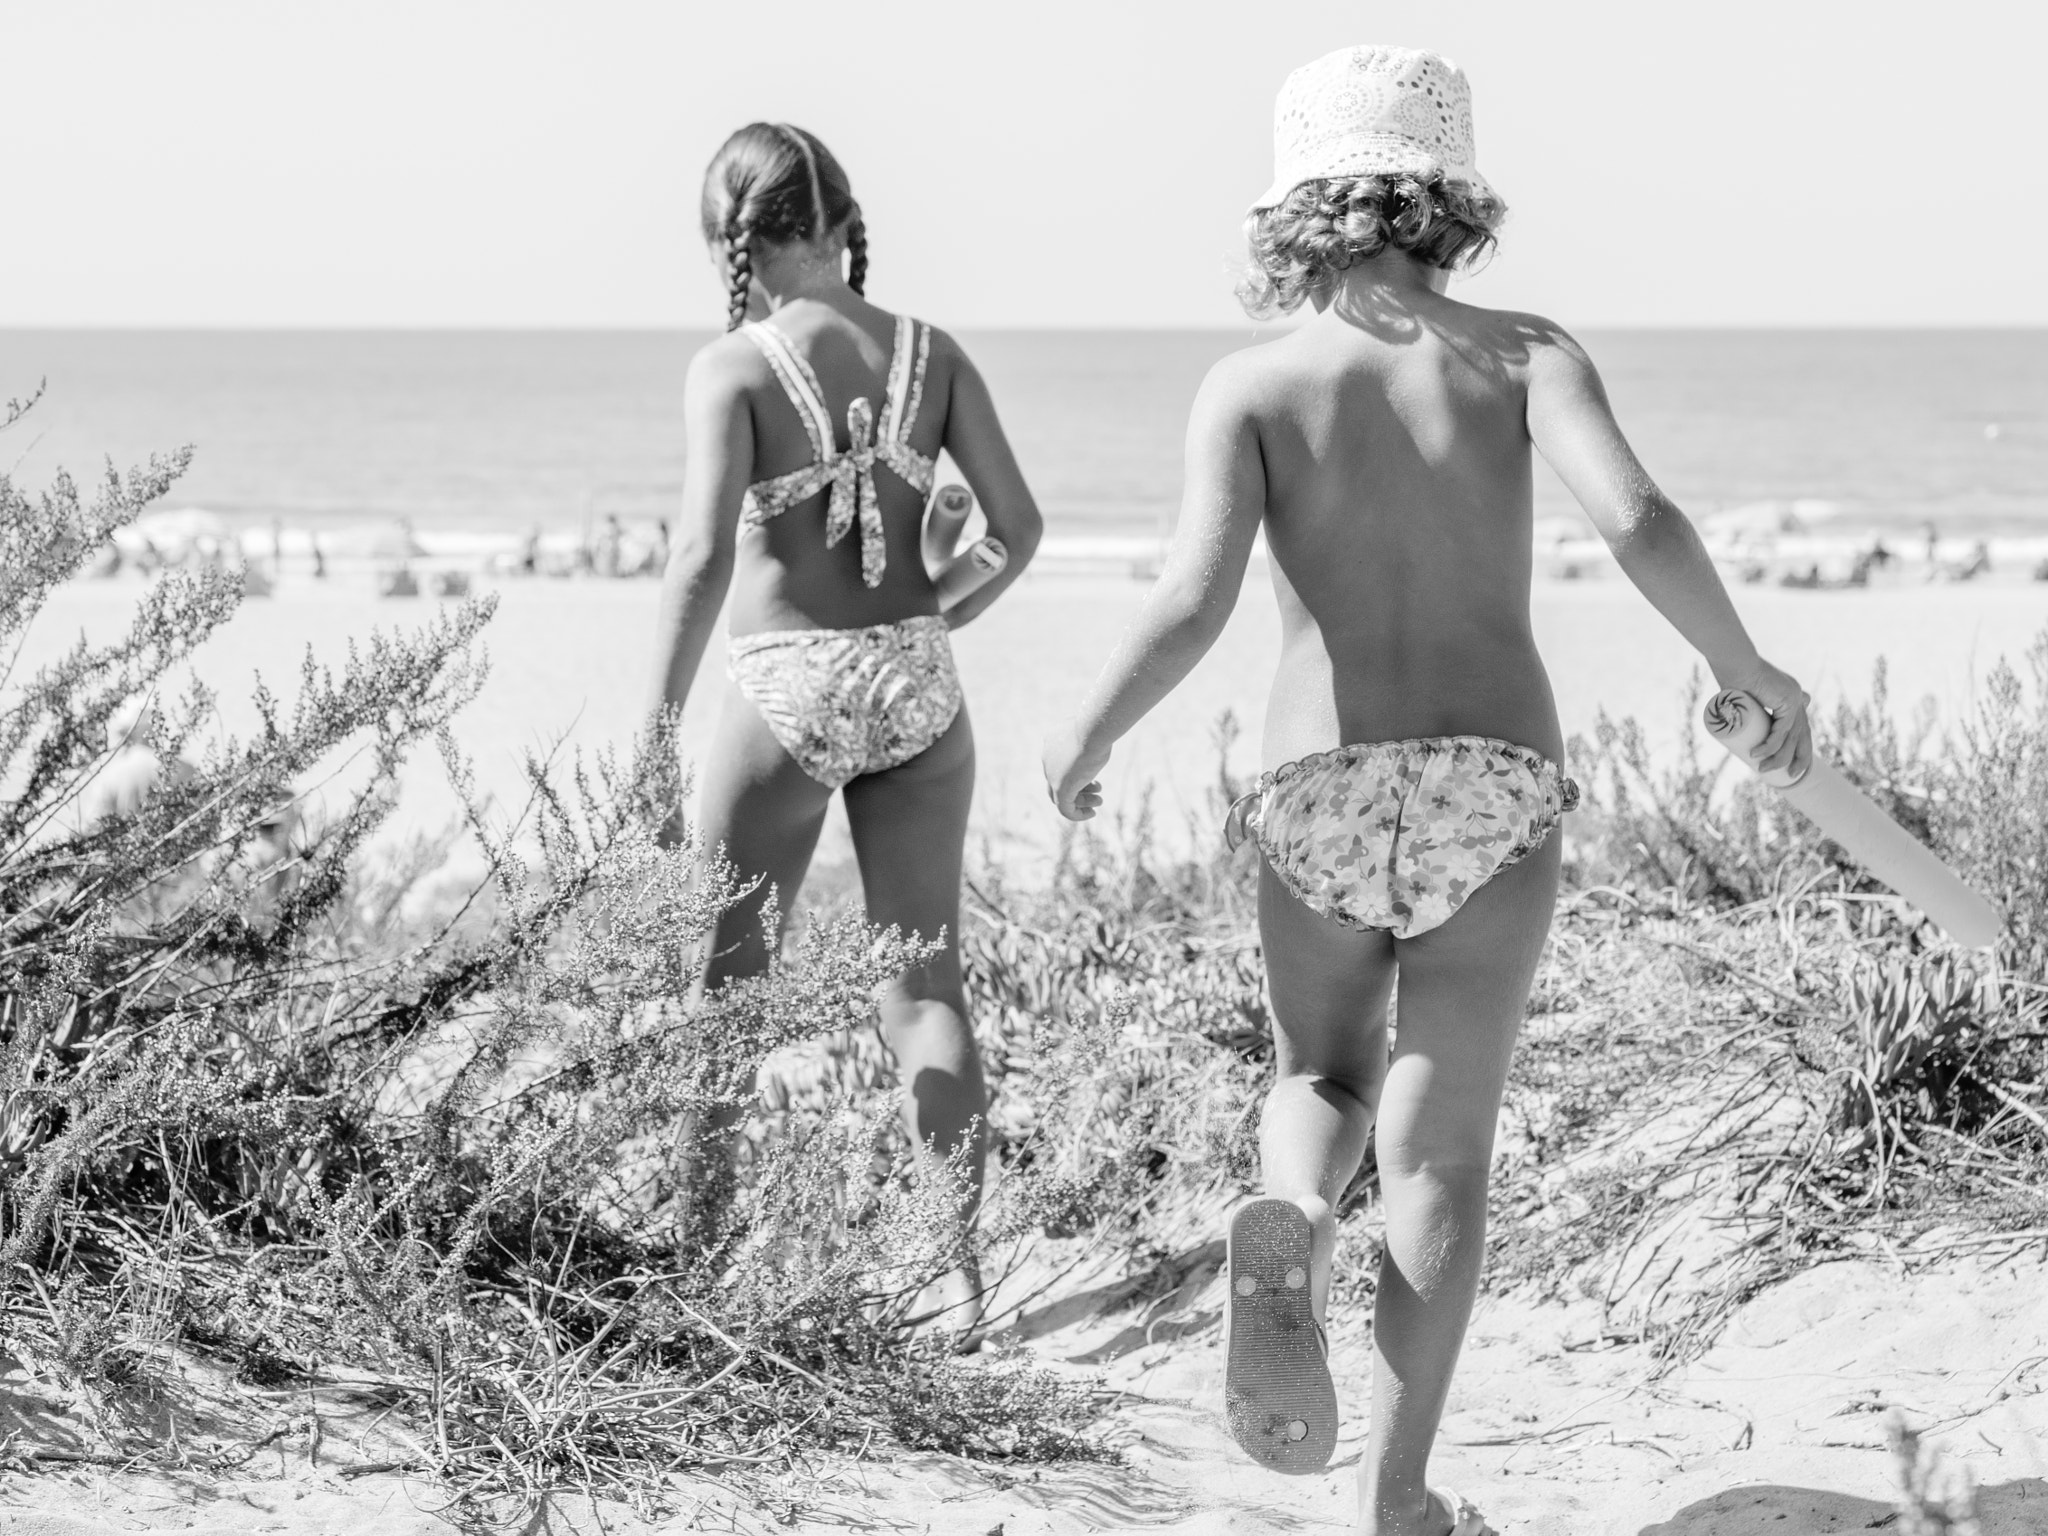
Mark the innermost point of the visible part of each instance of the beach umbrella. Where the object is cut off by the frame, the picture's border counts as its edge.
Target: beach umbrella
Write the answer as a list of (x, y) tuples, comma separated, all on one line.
[(178, 533), (395, 542), (1756, 519)]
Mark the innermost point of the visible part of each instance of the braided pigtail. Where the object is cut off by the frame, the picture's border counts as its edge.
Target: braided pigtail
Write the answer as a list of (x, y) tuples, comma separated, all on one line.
[(857, 254), (769, 186), (739, 274)]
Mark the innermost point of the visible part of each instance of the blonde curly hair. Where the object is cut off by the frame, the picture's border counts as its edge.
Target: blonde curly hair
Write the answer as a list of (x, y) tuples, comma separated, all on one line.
[(1322, 227)]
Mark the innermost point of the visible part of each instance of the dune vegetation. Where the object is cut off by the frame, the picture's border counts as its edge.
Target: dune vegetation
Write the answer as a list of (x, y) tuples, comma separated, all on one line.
[(282, 1097)]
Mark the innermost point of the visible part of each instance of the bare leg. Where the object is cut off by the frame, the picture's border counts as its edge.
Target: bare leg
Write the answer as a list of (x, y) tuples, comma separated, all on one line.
[(1329, 986), (909, 828), (765, 812), (1464, 990)]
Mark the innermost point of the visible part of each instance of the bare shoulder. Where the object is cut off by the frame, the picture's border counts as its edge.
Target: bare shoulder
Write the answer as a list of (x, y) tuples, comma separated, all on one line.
[(1546, 349), (726, 368), (946, 358), (1245, 384)]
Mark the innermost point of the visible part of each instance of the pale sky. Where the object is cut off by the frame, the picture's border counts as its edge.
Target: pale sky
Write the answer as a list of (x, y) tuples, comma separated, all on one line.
[(1056, 163)]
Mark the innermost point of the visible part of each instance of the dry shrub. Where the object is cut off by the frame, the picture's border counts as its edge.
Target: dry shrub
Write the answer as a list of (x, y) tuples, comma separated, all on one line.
[(270, 1096), (1742, 1056)]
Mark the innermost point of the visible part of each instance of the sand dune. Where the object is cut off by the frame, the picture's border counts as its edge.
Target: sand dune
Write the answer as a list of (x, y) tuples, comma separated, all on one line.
[(1554, 1429)]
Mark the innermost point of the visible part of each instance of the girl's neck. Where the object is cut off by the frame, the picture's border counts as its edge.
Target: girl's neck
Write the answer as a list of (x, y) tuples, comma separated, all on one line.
[(1390, 277), (801, 272)]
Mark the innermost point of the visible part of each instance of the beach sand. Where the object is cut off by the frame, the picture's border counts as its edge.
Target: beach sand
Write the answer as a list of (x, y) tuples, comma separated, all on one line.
[(1553, 1429), (570, 661)]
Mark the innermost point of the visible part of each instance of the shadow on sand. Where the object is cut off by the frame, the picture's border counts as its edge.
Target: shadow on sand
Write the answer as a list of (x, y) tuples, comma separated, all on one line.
[(2017, 1508)]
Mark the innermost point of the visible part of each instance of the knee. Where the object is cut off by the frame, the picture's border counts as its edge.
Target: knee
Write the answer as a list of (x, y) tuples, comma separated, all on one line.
[(1348, 1088), (1442, 1151)]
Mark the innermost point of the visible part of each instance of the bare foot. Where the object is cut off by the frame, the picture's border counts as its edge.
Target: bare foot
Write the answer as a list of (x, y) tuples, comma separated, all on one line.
[(1441, 1513), (951, 1308)]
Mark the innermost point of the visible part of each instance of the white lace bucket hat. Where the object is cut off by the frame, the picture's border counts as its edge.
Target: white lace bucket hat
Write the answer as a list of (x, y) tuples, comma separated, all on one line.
[(1373, 112)]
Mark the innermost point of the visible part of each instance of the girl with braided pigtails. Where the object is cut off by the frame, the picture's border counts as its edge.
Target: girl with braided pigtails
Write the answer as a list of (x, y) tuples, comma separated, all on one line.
[(812, 429), (1407, 823)]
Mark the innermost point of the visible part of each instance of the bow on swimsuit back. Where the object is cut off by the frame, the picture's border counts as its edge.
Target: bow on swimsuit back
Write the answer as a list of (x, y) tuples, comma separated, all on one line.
[(851, 474)]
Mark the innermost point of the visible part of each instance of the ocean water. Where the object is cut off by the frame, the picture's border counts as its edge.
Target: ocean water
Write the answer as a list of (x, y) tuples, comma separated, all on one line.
[(498, 431)]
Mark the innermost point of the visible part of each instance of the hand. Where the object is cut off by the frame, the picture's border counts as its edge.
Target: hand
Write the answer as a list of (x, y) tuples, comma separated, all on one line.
[(1072, 773), (1789, 746)]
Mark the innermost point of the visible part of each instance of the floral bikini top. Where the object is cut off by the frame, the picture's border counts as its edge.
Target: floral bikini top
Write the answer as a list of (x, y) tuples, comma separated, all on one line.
[(851, 475)]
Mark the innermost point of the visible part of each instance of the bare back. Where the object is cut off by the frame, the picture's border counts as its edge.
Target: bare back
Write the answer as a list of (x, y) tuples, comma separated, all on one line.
[(786, 576), (1397, 466)]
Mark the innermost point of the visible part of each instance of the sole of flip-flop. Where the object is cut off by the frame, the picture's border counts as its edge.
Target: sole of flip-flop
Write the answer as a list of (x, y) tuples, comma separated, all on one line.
[(1277, 1391)]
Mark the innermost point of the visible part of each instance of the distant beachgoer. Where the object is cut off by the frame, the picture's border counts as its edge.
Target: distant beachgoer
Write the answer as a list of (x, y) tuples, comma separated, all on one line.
[(132, 768), (811, 433), (319, 557), (528, 561), (1407, 821), (610, 547)]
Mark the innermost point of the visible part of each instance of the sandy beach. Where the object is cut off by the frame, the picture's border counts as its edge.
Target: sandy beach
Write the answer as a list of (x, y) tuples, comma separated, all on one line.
[(569, 662), (1554, 1428)]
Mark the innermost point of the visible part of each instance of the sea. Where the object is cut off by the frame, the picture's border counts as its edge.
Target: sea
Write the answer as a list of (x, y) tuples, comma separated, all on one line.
[(496, 432)]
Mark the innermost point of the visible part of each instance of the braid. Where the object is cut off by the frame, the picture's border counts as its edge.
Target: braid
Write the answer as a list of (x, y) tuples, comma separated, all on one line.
[(802, 141), (857, 254), (739, 274), (771, 185)]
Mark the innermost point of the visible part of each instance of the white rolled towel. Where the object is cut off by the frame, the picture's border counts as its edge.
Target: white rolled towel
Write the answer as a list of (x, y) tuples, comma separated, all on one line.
[(1891, 853)]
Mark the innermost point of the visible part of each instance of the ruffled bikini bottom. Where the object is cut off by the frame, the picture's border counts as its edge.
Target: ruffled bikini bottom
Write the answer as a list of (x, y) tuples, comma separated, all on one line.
[(1397, 835), (844, 702)]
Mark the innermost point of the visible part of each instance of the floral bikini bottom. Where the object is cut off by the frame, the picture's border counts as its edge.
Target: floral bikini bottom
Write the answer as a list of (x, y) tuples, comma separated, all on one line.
[(1399, 834), (844, 702)]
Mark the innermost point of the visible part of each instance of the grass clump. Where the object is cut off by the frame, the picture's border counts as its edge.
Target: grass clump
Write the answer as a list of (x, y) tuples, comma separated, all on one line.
[(1742, 1056), (275, 1098)]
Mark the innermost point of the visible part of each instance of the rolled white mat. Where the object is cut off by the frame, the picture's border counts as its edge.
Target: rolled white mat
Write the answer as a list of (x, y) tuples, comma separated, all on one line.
[(971, 571), (949, 511), (1873, 839)]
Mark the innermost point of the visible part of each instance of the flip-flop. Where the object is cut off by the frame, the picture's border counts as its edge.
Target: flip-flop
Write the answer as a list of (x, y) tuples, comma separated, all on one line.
[(1465, 1517), (1277, 1391)]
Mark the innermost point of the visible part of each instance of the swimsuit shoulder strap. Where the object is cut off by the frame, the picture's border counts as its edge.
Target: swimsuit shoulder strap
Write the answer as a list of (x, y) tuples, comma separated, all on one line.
[(798, 382), (906, 378)]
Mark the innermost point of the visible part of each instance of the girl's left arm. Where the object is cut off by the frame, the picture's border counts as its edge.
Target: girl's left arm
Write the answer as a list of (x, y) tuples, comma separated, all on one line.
[(1221, 508), (975, 439)]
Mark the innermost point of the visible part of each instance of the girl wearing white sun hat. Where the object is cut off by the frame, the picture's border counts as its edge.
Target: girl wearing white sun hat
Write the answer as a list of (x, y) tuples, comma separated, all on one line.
[(1407, 821)]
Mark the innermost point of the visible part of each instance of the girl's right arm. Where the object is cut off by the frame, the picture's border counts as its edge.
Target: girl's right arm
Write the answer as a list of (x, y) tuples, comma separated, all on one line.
[(1573, 427), (1223, 505), (718, 441)]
